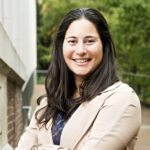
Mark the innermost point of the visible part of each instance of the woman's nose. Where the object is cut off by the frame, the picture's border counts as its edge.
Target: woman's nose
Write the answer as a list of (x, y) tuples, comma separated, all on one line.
[(80, 49)]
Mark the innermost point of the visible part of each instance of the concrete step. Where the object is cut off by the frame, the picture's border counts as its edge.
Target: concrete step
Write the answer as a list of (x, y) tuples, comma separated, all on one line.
[(143, 142)]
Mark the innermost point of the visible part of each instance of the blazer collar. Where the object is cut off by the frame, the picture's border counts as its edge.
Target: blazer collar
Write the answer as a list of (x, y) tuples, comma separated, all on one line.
[(83, 117), (79, 123)]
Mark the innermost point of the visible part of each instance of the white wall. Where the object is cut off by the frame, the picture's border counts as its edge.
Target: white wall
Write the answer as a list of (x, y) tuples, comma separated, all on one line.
[(18, 35)]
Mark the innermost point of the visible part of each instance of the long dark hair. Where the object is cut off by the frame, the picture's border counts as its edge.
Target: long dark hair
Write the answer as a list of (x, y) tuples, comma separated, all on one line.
[(60, 84)]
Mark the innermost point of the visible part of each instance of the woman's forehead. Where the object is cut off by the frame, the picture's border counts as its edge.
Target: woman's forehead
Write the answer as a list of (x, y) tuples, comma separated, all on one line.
[(81, 27)]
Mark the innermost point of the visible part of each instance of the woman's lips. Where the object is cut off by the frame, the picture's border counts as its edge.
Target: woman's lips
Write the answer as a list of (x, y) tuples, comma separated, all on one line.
[(82, 62)]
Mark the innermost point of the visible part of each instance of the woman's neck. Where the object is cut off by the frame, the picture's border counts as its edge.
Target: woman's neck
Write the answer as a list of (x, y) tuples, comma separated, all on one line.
[(78, 82), (76, 95)]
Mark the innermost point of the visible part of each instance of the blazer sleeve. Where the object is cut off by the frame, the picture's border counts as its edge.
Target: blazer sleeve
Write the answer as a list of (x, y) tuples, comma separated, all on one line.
[(29, 139), (117, 122)]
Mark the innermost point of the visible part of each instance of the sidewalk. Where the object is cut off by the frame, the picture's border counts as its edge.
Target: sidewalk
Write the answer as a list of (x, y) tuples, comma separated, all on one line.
[(143, 142), (38, 90)]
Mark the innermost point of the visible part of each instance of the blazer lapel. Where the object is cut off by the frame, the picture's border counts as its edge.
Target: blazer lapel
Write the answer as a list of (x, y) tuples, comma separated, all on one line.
[(82, 119), (80, 122)]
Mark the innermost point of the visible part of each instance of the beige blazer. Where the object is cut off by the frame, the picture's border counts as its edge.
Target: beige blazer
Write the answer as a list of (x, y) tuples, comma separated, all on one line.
[(110, 121)]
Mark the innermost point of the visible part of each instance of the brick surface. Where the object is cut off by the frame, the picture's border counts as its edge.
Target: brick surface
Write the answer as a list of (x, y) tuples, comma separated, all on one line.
[(14, 113)]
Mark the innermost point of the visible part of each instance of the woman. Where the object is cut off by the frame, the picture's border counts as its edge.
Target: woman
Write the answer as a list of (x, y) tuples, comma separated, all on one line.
[(86, 106)]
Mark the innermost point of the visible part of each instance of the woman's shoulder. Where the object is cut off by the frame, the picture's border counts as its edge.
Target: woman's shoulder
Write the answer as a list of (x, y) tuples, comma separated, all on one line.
[(120, 92), (124, 87), (118, 87)]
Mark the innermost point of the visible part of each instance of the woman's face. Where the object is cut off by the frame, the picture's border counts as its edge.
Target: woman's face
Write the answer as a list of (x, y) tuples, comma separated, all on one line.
[(82, 48)]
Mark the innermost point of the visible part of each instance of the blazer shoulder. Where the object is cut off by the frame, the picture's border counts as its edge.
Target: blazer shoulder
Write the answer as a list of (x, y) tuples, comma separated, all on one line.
[(122, 94), (124, 87)]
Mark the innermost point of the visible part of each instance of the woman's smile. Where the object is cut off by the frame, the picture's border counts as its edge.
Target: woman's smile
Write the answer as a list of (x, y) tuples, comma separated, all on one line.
[(81, 61)]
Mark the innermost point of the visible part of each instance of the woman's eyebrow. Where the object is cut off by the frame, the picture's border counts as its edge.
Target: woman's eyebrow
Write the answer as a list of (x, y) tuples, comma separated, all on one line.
[(91, 36), (70, 37), (88, 36)]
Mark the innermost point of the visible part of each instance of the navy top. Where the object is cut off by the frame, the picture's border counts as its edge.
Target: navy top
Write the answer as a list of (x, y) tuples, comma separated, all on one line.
[(58, 127)]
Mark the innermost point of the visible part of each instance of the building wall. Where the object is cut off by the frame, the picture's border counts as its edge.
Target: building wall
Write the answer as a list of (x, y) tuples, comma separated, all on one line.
[(17, 64), (18, 22), (11, 119)]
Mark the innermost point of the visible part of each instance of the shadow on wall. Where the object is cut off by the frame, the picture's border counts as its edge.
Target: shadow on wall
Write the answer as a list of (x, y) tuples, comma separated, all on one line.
[(27, 94)]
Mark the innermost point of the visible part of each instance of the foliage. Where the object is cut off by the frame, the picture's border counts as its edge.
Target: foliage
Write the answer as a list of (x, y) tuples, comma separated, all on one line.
[(131, 35), (129, 23)]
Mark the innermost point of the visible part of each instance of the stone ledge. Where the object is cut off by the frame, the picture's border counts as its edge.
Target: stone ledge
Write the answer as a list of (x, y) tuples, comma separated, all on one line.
[(10, 74)]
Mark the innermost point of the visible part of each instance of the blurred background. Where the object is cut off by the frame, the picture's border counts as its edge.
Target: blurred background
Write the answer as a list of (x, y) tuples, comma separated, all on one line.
[(27, 30)]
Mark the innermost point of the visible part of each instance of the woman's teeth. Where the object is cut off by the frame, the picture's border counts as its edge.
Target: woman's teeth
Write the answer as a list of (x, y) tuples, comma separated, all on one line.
[(81, 60)]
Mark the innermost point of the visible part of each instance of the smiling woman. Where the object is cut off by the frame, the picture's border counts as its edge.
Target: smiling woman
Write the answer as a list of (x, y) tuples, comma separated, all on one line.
[(86, 106)]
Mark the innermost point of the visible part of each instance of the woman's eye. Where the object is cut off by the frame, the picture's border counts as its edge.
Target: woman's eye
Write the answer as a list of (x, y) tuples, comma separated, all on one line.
[(90, 41), (72, 41)]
